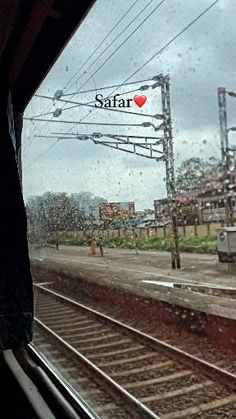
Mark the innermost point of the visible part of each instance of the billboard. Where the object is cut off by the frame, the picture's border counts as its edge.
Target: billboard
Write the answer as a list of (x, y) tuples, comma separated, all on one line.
[(116, 210)]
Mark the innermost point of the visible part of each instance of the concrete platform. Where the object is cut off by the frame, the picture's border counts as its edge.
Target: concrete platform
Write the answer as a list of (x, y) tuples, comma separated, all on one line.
[(199, 285), (210, 289)]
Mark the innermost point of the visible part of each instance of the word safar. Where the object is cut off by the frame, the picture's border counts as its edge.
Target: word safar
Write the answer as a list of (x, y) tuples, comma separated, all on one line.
[(113, 102)]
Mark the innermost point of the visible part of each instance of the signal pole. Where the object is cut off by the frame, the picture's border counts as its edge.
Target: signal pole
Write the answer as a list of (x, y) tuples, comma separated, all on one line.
[(225, 154), (170, 174)]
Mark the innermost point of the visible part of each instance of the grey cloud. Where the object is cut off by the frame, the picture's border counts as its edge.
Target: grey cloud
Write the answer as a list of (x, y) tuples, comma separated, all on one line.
[(198, 62)]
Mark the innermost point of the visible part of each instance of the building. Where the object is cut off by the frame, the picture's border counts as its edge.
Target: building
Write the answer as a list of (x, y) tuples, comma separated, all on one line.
[(207, 203), (213, 197), (88, 204)]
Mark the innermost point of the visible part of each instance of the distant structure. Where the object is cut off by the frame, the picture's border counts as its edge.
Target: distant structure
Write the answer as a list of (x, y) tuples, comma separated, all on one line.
[(89, 204), (209, 201)]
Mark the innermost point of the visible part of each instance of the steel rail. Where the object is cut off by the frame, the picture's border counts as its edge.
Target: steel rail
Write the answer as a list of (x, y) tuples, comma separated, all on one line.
[(77, 402), (108, 381), (227, 378)]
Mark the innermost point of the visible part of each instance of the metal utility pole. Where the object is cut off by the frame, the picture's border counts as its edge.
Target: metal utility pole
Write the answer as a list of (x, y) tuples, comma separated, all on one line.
[(158, 148), (225, 154), (170, 174)]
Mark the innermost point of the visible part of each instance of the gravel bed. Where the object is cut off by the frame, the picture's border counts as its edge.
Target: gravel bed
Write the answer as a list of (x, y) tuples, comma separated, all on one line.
[(119, 356), (93, 349), (205, 349), (97, 400), (222, 413), (205, 395), (173, 385), (134, 364), (93, 344), (195, 344), (161, 388), (72, 329), (150, 374)]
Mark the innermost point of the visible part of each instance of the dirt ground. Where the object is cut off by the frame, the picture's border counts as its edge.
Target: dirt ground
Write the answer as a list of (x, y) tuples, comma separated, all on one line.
[(199, 269)]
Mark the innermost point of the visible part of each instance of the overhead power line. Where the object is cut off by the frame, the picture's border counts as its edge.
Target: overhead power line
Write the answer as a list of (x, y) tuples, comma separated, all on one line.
[(143, 124), (77, 134), (122, 42), (101, 43), (191, 23), (105, 87), (108, 58), (125, 40), (119, 34), (33, 128), (164, 46), (55, 142), (42, 154), (169, 43), (77, 104), (173, 39), (154, 55), (96, 49), (88, 104), (141, 88)]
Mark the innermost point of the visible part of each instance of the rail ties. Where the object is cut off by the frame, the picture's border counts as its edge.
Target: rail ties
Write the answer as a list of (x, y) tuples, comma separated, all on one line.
[(126, 368)]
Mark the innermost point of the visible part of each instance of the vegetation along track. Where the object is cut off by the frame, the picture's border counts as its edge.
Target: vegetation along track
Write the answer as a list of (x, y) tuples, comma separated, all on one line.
[(129, 369)]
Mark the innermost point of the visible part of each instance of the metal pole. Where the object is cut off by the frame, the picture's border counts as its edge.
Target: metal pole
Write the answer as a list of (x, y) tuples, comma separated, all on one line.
[(170, 175), (225, 154)]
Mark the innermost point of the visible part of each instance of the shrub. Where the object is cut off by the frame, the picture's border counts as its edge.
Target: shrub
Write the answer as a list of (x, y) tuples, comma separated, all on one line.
[(189, 244)]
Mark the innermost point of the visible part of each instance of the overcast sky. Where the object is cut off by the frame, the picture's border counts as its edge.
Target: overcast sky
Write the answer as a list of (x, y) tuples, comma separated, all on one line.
[(199, 61)]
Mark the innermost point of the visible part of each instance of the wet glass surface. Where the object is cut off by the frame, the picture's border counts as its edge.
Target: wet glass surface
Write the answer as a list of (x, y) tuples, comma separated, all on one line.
[(129, 183)]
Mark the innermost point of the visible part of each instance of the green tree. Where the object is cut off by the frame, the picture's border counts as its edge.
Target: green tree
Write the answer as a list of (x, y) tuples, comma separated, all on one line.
[(53, 212), (213, 165), (190, 174), (188, 215)]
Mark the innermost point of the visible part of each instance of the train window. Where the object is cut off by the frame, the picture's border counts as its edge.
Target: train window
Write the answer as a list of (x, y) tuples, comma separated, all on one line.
[(129, 186)]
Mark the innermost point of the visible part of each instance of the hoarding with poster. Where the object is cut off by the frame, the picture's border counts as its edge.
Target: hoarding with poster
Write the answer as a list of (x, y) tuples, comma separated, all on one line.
[(116, 210)]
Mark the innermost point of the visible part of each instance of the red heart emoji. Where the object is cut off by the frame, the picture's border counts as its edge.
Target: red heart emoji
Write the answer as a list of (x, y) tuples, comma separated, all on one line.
[(140, 100)]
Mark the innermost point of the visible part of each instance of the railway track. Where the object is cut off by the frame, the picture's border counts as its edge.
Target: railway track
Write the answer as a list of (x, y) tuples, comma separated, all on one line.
[(123, 372)]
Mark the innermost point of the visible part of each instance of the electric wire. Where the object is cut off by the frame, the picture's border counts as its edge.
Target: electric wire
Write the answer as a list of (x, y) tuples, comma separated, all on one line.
[(123, 42), (147, 17), (108, 58), (88, 123), (89, 104), (120, 34), (173, 39), (170, 41), (101, 43), (105, 87), (47, 109)]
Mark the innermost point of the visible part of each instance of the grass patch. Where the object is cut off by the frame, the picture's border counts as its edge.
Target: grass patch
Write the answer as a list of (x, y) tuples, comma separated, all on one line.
[(190, 244)]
